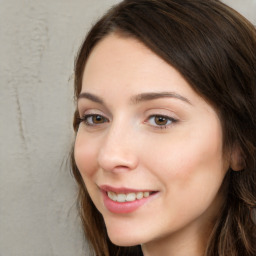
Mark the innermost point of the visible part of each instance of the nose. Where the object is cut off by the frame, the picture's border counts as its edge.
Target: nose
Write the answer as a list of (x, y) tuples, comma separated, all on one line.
[(118, 151)]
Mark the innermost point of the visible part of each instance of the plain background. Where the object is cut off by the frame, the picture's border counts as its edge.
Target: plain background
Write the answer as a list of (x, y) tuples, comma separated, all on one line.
[(38, 44)]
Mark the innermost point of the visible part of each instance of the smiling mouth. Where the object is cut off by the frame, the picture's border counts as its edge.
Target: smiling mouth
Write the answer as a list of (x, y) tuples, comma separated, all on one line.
[(129, 197)]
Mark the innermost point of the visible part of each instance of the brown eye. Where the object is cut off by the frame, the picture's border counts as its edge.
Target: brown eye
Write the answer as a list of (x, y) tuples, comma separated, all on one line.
[(94, 119), (97, 119), (160, 120)]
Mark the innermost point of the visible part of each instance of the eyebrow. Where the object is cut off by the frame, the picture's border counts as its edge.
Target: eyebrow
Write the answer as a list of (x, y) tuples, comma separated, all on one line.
[(92, 97), (138, 98), (156, 95)]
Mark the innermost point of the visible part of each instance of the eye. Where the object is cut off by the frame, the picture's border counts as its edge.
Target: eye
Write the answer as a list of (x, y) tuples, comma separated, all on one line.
[(93, 119), (161, 121)]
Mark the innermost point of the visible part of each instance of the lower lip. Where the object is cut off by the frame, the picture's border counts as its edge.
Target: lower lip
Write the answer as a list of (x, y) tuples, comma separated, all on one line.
[(125, 207)]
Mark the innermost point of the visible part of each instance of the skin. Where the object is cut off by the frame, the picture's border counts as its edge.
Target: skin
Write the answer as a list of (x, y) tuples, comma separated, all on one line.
[(183, 160)]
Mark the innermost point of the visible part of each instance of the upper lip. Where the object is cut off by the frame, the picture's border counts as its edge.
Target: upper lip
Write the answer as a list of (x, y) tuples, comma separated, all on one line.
[(122, 189)]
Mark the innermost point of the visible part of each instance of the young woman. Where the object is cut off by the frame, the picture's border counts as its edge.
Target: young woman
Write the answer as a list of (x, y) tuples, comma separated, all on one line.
[(166, 130)]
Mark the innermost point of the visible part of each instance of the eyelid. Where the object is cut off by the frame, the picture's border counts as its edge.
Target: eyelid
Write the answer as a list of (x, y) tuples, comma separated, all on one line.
[(85, 114), (86, 107), (171, 120), (87, 123), (83, 110)]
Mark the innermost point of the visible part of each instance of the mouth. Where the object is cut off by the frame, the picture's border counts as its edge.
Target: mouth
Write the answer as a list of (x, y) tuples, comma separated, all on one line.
[(128, 197), (124, 200)]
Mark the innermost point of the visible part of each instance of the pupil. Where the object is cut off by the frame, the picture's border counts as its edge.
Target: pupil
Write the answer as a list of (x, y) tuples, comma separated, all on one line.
[(97, 119), (161, 120)]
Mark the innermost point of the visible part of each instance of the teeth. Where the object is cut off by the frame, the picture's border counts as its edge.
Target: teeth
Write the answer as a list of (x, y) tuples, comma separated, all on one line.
[(139, 195), (121, 198), (112, 196), (130, 197), (146, 194)]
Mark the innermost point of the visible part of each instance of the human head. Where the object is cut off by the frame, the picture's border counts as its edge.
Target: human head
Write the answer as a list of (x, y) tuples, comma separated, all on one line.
[(213, 48)]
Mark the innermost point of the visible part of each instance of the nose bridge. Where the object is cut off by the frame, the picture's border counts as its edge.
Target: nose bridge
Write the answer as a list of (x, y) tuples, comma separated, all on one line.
[(118, 151)]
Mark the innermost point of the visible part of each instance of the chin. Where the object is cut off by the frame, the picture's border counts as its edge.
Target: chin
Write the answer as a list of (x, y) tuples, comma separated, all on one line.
[(124, 243), (124, 239)]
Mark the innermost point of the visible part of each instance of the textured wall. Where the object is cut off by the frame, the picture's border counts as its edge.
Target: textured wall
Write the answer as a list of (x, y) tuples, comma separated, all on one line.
[(39, 40)]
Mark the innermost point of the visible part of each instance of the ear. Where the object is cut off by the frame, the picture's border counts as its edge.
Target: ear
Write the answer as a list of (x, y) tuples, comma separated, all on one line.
[(237, 162)]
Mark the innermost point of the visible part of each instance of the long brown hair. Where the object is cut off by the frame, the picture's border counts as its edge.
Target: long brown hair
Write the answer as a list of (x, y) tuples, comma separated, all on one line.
[(214, 48)]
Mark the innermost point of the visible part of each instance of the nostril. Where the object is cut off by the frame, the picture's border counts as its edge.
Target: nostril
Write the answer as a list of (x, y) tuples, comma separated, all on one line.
[(122, 168)]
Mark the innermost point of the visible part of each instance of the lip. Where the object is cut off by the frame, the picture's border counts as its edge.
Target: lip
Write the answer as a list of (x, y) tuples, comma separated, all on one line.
[(122, 189), (124, 207)]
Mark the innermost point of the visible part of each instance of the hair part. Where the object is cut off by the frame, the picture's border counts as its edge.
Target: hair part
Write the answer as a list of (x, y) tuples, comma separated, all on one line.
[(214, 49)]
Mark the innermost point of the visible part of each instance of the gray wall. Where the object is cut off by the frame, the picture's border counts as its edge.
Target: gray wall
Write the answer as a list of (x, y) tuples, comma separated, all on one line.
[(39, 40)]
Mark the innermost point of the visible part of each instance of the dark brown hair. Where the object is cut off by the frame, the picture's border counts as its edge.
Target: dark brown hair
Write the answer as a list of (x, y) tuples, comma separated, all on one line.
[(214, 48)]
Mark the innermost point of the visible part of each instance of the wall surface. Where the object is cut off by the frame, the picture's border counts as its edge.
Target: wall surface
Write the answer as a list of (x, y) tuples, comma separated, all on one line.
[(39, 40)]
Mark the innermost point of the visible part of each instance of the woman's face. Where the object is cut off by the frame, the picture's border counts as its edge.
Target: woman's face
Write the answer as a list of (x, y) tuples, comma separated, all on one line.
[(149, 148)]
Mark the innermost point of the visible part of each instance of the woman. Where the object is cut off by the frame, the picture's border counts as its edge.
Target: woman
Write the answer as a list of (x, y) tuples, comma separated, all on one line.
[(166, 130)]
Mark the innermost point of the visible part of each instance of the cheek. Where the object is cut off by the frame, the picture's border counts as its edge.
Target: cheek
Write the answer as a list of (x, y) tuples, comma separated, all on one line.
[(85, 156), (189, 158), (191, 172)]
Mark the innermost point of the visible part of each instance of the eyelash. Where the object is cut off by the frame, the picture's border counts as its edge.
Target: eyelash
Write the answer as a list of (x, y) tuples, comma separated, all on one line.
[(169, 120), (86, 117)]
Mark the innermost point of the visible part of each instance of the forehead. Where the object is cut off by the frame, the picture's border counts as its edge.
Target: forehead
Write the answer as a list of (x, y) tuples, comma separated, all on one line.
[(125, 62), (123, 52)]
